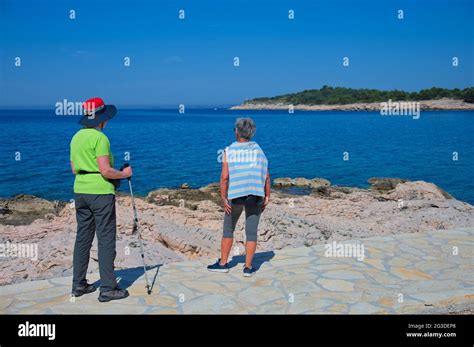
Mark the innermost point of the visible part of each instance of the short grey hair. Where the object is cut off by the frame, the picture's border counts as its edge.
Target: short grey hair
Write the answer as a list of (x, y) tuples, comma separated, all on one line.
[(245, 128)]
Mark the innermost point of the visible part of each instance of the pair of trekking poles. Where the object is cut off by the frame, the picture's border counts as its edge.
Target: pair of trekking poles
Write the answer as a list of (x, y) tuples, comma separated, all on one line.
[(137, 229)]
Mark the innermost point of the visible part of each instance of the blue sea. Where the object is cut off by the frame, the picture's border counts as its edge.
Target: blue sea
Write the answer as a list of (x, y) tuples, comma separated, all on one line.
[(167, 148)]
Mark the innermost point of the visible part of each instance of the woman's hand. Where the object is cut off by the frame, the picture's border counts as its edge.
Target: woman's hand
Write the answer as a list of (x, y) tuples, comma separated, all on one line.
[(227, 206), (266, 201), (127, 172)]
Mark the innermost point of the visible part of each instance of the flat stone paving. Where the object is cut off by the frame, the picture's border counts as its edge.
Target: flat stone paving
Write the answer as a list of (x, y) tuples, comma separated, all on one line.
[(407, 273)]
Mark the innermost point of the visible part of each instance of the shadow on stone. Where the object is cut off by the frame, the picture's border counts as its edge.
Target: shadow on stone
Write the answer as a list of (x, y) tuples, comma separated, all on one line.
[(154, 277), (258, 259), (129, 276)]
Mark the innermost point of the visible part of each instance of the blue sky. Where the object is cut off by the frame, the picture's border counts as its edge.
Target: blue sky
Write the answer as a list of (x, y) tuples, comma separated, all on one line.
[(190, 61)]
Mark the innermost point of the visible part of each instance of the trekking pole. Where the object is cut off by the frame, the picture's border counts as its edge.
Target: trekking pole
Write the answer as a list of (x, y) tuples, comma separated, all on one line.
[(136, 228)]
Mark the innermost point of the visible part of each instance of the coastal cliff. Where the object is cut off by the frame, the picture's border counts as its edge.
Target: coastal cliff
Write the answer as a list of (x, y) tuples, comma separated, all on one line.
[(425, 105)]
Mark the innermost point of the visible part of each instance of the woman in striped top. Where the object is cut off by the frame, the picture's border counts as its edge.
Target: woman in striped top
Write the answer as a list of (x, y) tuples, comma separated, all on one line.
[(245, 185)]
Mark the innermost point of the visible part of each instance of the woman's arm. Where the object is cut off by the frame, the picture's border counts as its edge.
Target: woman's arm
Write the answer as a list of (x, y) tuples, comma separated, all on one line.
[(225, 185), (72, 168), (267, 191), (109, 172)]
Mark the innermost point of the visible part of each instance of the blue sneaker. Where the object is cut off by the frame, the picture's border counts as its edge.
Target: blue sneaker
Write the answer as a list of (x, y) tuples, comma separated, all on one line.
[(217, 267), (249, 272)]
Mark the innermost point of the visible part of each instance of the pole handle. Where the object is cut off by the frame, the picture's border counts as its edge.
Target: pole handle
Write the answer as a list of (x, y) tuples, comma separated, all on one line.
[(123, 167)]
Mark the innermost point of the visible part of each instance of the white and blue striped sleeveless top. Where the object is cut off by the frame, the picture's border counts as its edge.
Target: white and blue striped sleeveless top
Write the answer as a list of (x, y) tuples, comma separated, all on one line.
[(248, 167)]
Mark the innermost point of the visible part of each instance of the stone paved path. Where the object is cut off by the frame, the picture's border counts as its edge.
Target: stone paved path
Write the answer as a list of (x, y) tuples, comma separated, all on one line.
[(407, 273)]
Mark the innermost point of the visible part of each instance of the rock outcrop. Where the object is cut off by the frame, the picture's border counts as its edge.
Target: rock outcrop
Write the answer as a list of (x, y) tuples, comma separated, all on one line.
[(24, 209), (383, 183), (425, 105), (179, 224), (301, 182)]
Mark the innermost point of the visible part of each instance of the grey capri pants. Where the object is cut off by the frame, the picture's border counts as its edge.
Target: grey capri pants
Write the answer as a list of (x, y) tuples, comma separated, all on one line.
[(253, 209)]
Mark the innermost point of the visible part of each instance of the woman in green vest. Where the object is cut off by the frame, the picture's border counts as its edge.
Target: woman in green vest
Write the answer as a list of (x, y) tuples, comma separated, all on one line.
[(92, 164)]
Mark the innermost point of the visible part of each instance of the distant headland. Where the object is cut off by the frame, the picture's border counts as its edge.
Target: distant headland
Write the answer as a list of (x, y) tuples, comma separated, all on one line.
[(349, 99)]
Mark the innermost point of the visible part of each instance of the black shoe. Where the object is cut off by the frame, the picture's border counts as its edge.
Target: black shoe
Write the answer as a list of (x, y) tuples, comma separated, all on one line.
[(83, 289), (115, 294), (249, 272), (217, 267)]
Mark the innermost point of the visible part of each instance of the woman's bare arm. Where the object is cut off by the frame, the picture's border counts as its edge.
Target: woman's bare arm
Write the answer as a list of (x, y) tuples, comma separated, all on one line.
[(267, 184), (267, 191), (109, 172), (224, 185)]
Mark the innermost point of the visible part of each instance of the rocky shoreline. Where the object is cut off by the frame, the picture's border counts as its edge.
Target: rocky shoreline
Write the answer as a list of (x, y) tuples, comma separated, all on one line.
[(181, 224), (425, 105)]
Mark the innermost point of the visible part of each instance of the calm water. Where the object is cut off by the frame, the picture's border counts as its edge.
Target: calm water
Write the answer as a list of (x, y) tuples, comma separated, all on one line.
[(168, 148)]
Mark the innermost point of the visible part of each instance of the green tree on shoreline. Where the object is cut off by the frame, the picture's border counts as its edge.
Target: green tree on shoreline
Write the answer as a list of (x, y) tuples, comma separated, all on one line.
[(340, 96)]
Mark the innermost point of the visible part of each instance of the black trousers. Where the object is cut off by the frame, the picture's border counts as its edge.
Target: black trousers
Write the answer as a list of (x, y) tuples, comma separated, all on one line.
[(95, 214)]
